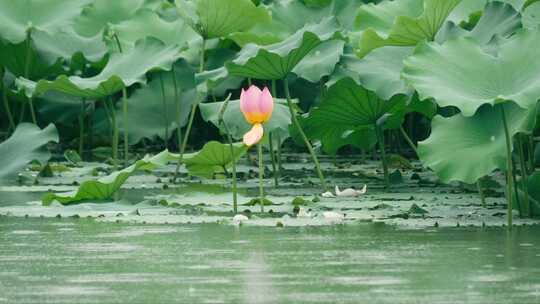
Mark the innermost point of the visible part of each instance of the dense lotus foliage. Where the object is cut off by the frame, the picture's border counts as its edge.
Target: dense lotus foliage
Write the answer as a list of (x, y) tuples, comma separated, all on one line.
[(197, 83)]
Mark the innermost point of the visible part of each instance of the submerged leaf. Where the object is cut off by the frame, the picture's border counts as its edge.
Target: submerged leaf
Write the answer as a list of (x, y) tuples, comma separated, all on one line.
[(104, 188)]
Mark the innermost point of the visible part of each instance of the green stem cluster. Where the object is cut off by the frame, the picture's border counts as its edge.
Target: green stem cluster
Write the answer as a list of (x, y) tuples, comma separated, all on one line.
[(191, 118)]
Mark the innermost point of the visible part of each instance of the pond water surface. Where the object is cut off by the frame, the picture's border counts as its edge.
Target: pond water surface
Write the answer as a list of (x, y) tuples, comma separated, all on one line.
[(82, 261)]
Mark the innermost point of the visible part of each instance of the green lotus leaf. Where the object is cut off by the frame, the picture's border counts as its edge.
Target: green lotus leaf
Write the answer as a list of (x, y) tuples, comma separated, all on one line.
[(101, 13), (321, 61), (147, 23), (333, 137), (275, 61), (148, 54), (14, 58), (26, 144), (213, 158), (104, 188), (317, 3), (20, 17), (408, 31), (66, 44), (152, 114), (531, 16), (237, 125), (284, 23), (498, 19), (380, 17), (477, 143), (378, 71), (217, 18), (460, 73), (216, 79), (349, 108)]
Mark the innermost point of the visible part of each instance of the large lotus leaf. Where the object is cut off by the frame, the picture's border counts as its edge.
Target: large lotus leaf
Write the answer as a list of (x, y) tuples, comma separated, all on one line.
[(18, 17), (498, 19), (378, 71), (216, 79), (14, 57), (102, 13), (467, 148), (467, 8), (58, 107), (349, 114), (104, 188), (213, 158), (65, 44), (333, 137), (151, 114), (275, 61), (147, 23), (407, 31), (321, 61), (217, 18), (237, 125), (122, 70), (380, 17), (284, 23), (460, 73), (531, 16), (26, 144)]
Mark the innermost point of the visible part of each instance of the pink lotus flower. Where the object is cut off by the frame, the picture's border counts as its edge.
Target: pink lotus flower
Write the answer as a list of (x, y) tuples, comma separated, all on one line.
[(257, 107)]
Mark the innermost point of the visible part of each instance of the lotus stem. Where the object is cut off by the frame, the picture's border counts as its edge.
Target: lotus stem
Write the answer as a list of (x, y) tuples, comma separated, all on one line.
[(126, 125), (408, 139), (115, 133), (91, 130), (303, 135), (531, 153), (481, 192), (231, 148), (163, 99), (32, 110), (524, 176), (509, 167), (274, 171), (278, 138), (261, 176), (115, 36), (380, 137), (7, 107), (27, 66), (191, 117), (81, 127)]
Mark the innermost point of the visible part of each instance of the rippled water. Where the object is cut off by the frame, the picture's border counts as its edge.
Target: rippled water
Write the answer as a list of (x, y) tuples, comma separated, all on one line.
[(80, 261)]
